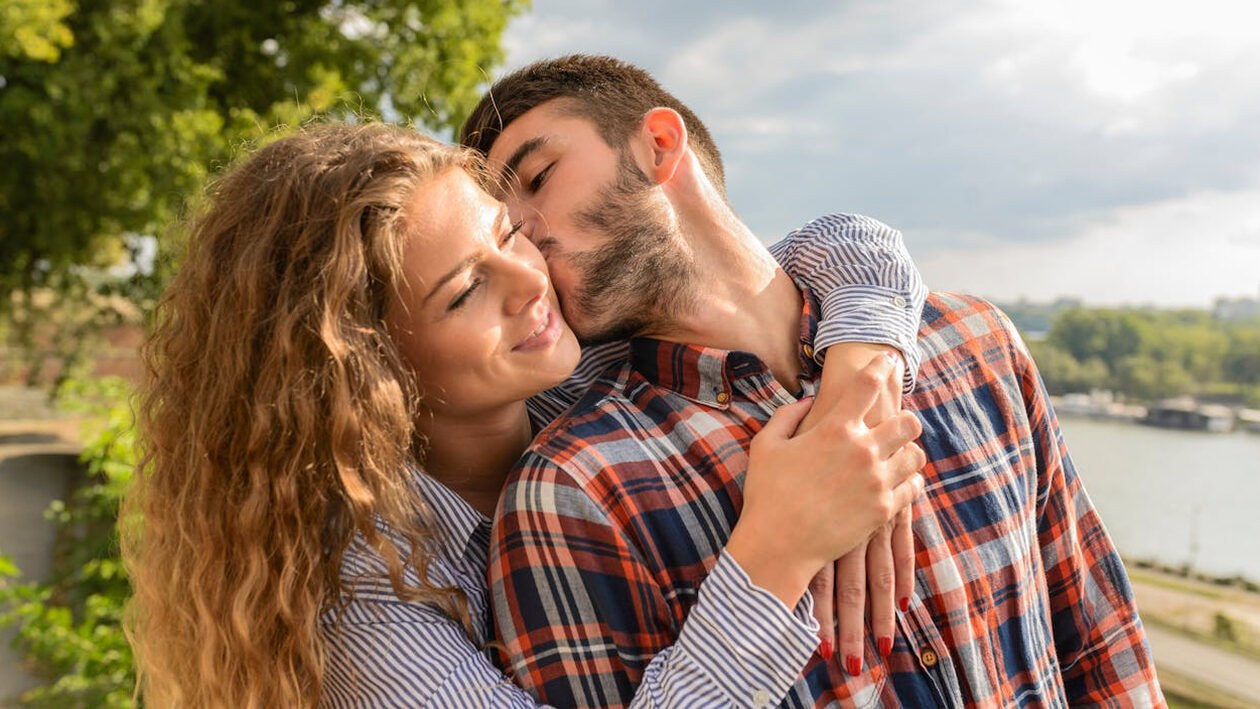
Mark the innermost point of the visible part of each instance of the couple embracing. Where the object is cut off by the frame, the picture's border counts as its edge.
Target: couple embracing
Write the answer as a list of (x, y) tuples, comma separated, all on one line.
[(380, 469)]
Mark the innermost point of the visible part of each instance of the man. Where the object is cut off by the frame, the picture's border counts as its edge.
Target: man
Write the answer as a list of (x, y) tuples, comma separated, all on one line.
[(613, 518)]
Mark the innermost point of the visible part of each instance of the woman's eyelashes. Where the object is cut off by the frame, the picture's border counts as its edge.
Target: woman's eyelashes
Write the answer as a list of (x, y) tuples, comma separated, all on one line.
[(462, 299), (464, 295), (507, 238)]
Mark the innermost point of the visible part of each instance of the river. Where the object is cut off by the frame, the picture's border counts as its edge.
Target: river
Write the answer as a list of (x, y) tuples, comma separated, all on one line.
[(1176, 497)]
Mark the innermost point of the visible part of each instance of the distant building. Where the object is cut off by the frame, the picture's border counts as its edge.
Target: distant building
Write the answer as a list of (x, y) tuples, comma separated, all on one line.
[(1236, 308)]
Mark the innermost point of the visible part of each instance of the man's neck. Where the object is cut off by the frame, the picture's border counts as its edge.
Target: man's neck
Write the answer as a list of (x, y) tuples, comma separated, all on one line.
[(472, 455), (741, 299)]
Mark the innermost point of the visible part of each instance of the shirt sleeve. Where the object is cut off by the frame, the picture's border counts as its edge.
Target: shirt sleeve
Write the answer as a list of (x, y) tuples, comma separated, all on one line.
[(584, 623), (864, 279), (857, 267), (1102, 647), (409, 655)]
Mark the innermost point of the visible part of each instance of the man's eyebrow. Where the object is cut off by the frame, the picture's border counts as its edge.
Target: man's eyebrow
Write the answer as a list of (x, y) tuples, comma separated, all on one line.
[(518, 156)]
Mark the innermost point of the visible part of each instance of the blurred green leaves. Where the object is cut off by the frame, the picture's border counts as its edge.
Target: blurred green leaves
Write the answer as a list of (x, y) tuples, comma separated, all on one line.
[(34, 29), (114, 112), (71, 624), (1151, 355)]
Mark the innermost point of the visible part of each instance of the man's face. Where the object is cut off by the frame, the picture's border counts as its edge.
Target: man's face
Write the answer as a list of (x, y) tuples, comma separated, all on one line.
[(606, 231)]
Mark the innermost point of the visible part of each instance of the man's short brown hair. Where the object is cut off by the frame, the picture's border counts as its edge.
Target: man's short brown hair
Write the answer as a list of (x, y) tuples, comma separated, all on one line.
[(612, 94)]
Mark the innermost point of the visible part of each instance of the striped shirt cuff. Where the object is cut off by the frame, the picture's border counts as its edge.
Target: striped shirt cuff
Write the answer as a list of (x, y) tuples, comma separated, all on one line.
[(871, 314), (751, 644)]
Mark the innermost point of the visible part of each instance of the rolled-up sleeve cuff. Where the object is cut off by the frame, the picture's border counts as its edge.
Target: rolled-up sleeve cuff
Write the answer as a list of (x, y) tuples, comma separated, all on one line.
[(751, 644), (872, 314)]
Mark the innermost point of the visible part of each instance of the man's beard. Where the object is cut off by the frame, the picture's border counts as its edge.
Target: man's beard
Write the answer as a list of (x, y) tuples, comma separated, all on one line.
[(638, 278)]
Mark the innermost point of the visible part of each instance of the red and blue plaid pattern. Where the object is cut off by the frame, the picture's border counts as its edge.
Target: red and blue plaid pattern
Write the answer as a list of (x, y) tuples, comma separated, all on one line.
[(613, 519)]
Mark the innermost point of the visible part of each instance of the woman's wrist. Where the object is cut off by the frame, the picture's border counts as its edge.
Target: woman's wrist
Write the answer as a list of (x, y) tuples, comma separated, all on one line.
[(771, 565)]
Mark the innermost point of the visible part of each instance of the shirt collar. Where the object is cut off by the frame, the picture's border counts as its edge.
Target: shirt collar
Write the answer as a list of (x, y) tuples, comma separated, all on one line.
[(461, 528), (704, 374)]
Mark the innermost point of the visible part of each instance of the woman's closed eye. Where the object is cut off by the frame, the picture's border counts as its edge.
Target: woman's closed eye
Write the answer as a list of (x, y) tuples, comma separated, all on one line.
[(464, 295), (462, 299), (507, 239)]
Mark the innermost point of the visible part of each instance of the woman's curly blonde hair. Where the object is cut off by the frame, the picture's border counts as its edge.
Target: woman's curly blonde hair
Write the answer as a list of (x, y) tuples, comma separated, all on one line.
[(277, 421)]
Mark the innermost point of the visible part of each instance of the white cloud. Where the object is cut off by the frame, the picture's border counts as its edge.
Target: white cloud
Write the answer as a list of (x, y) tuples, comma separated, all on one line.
[(1022, 125), (1184, 252)]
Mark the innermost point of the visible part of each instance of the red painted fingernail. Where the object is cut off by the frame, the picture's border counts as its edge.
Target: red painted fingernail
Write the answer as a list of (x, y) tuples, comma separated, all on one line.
[(853, 665), (825, 648), (904, 604), (885, 646)]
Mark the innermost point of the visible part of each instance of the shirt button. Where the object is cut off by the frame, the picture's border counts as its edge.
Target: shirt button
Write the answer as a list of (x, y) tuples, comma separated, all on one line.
[(809, 351), (929, 657), (761, 698), (723, 397), (899, 301)]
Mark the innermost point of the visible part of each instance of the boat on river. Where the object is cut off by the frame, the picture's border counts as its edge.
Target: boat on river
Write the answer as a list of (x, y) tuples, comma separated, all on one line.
[(1186, 413), (1249, 420)]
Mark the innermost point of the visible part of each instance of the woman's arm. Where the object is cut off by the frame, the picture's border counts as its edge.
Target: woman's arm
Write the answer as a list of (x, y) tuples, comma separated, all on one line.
[(398, 654)]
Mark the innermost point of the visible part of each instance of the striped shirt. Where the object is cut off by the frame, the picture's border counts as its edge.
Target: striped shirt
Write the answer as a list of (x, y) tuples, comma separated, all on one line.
[(619, 511), (384, 652)]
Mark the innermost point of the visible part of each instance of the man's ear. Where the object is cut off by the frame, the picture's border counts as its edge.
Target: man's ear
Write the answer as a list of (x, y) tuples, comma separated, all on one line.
[(666, 137)]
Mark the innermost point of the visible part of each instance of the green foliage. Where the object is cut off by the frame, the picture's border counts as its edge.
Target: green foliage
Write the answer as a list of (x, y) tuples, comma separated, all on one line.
[(71, 625), (34, 29), (115, 111), (1150, 355)]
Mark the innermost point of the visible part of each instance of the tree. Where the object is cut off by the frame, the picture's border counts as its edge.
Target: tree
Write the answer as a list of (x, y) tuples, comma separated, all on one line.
[(1063, 374), (1105, 334), (34, 29), (113, 112), (1242, 359)]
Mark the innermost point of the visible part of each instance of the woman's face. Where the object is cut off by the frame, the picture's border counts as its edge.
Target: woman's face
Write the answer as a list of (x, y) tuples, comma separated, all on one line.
[(475, 315)]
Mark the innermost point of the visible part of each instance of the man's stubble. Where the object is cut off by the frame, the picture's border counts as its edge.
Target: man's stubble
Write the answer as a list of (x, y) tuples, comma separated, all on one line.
[(638, 280)]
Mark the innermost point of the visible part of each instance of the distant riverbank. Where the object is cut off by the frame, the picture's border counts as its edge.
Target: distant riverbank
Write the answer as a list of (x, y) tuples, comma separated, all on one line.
[(1177, 499), (1205, 638)]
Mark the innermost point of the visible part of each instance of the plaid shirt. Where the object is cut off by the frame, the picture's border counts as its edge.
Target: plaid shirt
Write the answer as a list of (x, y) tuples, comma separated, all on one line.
[(613, 519)]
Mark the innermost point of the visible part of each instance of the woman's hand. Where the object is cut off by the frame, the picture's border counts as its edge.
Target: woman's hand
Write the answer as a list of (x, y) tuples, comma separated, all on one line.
[(881, 572), (815, 496)]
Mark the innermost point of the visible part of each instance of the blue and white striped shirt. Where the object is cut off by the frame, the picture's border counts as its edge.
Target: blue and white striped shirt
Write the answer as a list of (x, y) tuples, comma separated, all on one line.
[(740, 645)]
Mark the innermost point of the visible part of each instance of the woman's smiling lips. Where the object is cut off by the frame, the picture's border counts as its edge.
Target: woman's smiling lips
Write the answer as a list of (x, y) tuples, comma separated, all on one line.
[(547, 332)]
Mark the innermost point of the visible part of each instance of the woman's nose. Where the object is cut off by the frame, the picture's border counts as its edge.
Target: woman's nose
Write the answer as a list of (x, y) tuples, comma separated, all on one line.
[(527, 283)]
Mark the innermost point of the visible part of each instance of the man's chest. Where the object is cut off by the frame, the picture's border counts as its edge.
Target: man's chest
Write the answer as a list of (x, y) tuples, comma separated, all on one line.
[(675, 488)]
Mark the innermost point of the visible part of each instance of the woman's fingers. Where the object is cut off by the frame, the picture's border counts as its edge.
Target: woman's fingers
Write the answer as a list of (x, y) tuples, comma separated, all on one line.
[(881, 572), (822, 588), (903, 556), (851, 608)]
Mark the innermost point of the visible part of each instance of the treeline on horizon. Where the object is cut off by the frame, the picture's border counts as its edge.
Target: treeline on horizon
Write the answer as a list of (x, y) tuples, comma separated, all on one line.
[(1144, 355)]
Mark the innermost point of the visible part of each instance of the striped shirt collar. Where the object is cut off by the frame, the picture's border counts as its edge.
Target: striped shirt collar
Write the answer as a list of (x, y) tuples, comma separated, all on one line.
[(705, 374), (463, 530)]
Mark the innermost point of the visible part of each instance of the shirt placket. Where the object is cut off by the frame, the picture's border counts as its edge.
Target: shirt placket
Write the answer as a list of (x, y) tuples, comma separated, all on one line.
[(930, 653)]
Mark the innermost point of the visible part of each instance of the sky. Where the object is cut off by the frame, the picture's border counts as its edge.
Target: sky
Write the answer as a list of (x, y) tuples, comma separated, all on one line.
[(1107, 150)]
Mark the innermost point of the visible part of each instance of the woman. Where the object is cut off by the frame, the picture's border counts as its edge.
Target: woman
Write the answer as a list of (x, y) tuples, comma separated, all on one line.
[(299, 373)]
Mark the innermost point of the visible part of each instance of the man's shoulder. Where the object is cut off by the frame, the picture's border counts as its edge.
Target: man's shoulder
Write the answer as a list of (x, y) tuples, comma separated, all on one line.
[(597, 419), (957, 327), (965, 315)]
